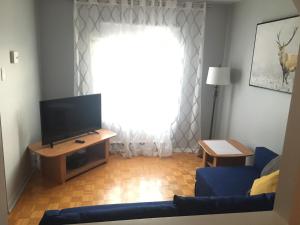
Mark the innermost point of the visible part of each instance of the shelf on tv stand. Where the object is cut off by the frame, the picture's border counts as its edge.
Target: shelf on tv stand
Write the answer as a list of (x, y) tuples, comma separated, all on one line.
[(53, 160), (82, 169)]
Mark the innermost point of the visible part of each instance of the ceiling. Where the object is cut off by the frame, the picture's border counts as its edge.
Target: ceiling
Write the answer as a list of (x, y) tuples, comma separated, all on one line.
[(224, 1)]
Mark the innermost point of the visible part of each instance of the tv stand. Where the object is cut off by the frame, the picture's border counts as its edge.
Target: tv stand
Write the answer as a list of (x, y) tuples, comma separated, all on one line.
[(53, 158)]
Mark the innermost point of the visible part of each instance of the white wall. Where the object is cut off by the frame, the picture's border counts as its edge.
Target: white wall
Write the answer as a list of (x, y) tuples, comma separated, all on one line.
[(217, 19), (288, 192), (19, 94), (254, 116), (3, 200), (57, 48)]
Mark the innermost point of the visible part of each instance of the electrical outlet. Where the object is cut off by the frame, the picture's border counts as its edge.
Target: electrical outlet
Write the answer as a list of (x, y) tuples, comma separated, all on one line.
[(14, 57), (2, 74)]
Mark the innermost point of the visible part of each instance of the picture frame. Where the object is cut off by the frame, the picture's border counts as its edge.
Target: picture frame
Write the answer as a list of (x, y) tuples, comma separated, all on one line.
[(275, 54)]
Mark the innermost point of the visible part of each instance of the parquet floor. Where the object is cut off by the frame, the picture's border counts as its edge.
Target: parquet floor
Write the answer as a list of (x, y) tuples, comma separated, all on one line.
[(121, 180)]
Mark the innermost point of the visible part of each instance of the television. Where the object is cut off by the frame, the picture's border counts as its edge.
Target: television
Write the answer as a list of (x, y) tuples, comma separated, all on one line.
[(69, 117)]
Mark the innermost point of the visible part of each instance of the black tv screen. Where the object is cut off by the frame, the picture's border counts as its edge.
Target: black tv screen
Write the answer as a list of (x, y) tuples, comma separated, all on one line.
[(68, 117)]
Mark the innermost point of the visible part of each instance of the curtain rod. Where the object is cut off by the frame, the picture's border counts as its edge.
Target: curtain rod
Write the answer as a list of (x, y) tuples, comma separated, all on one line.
[(157, 3)]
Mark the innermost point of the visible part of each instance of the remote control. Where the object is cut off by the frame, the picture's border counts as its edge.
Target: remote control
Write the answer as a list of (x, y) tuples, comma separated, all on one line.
[(79, 141)]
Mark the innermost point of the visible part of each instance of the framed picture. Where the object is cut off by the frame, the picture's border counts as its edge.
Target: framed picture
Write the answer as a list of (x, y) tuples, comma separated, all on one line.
[(275, 54)]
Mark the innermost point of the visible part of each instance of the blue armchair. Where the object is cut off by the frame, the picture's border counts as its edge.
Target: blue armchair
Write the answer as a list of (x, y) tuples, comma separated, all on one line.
[(231, 181)]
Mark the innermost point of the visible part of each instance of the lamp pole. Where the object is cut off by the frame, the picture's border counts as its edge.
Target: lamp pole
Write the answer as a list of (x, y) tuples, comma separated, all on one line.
[(213, 112)]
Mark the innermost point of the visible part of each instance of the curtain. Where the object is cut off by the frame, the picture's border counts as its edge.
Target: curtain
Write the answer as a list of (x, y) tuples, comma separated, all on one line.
[(145, 58)]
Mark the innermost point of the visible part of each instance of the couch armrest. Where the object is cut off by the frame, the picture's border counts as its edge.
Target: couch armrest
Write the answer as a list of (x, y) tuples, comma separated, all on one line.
[(262, 157)]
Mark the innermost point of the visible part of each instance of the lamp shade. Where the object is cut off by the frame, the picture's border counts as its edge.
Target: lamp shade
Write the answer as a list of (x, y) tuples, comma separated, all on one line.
[(218, 76)]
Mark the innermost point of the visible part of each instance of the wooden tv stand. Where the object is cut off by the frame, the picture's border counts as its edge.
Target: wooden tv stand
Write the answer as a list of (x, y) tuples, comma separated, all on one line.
[(53, 160)]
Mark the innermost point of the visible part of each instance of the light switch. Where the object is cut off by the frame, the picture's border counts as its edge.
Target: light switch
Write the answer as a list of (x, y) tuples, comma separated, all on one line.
[(2, 74), (14, 57)]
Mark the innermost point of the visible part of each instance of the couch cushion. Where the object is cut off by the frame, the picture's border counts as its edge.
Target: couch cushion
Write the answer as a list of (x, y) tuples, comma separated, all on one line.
[(225, 181), (271, 167), (262, 157), (233, 204)]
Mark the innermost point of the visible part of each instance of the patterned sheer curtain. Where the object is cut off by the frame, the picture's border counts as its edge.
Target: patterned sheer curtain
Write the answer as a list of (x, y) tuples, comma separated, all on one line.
[(145, 58)]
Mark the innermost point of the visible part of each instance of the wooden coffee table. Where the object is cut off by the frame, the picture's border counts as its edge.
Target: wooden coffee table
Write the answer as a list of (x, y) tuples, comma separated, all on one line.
[(235, 155)]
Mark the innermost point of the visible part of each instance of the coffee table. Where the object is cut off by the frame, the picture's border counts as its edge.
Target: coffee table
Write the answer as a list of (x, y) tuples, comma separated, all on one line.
[(224, 153)]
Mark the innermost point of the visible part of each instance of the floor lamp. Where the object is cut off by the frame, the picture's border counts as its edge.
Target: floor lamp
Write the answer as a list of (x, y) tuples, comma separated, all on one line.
[(217, 76)]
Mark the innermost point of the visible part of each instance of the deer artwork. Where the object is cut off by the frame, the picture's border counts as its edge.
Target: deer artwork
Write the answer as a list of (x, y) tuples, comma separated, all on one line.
[(287, 61)]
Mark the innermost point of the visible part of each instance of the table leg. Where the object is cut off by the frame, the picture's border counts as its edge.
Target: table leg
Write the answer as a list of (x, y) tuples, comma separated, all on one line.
[(106, 149), (215, 162), (204, 159), (201, 152)]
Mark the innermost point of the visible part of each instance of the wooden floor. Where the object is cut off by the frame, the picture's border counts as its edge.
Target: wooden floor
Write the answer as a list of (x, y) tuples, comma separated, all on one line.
[(119, 181)]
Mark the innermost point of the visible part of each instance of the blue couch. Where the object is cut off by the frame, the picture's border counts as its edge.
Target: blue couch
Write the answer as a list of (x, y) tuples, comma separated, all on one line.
[(216, 203), (230, 181), (180, 206)]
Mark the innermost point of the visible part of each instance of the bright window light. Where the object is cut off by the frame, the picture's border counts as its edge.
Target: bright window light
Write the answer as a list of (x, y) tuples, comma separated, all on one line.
[(138, 70)]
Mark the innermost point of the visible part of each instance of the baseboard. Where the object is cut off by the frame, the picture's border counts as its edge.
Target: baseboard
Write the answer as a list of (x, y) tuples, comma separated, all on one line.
[(12, 204), (115, 149), (185, 150)]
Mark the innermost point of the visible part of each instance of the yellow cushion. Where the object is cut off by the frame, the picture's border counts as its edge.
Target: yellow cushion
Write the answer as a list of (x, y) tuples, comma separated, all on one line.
[(265, 184)]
